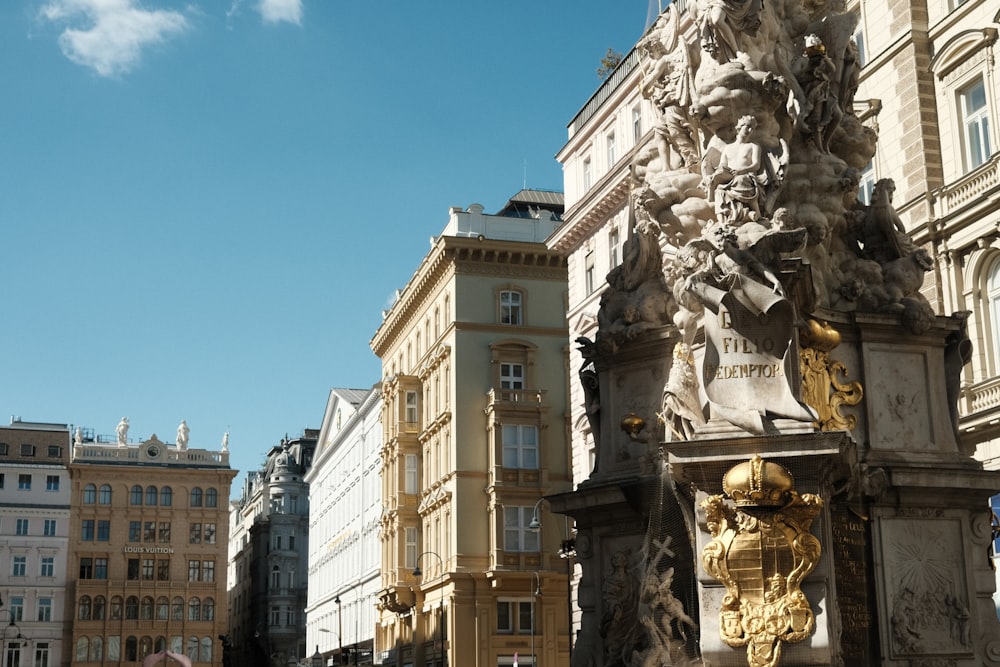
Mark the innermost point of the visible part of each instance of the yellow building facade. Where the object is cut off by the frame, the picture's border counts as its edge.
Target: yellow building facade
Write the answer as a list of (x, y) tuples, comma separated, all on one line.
[(474, 365), (147, 552)]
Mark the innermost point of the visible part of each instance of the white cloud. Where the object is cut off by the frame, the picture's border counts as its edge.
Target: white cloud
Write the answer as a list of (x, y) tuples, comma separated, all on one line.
[(275, 11), (118, 32)]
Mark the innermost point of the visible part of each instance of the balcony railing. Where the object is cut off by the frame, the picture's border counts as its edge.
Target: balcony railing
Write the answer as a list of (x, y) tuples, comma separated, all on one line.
[(967, 189), (523, 397)]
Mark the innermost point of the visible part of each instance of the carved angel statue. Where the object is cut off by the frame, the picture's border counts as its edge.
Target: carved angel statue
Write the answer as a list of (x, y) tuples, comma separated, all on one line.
[(183, 433), (681, 407), (742, 178), (721, 22)]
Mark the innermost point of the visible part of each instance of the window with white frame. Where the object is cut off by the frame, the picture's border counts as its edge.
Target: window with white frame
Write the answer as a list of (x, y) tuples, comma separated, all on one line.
[(517, 536), (411, 481), (22, 527), (588, 173), (636, 123), (514, 616), (47, 566), (44, 609), (975, 124), (411, 407), (993, 306), (511, 311), (614, 246), (520, 446), (16, 608), (589, 272), (410, 546), (612, 152), (511, 376)]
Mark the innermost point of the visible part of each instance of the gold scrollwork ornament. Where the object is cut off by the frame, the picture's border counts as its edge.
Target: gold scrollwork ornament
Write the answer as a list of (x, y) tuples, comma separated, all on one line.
[(761, 551), (821, 390)]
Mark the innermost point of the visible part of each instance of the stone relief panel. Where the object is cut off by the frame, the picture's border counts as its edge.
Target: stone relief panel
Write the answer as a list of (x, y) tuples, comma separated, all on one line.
[(899, 400)]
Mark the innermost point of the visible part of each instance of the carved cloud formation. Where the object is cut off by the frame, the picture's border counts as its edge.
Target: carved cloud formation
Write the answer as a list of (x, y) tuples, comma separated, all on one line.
[(114, 33)]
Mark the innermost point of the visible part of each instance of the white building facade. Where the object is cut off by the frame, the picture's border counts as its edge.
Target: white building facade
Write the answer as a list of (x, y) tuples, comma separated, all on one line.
[(344, 547)]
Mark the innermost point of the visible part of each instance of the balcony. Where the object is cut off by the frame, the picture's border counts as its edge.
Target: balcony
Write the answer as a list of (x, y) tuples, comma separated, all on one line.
[(968, 190), (516, 397)]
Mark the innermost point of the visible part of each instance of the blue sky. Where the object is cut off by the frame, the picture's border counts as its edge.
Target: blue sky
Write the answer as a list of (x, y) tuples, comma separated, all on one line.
[(206, 205)]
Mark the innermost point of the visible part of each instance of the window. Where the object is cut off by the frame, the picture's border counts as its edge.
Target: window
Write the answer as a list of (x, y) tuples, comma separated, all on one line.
[(105, 498), (194, 609), (55, 451), (52, 482), (21, 527), (410, 556), (209, 535), (131, 649), (87, 530), (859, 41), (89, 494), (411, 407), (511, 376), (2, 480), (13, 654), (100, 568), (195, 534), (164, 531), (614, 245), (208, 570), (16, 608), (993, 305), (100, 604), (96, 649), (196, 496), (135, 497), (520, 446), (177, 609), (162, 608), (514, 616), (166, 496), (27, 450), (511, 308), (194, 570), (149, 531), (41, 654), (47, 566), (152, 495), (104, 530), (24, 482), (86, 568), (636, 124), (116, 608), (976, 124), (411, 484), (82, 649), (589, 273), (134, 531), (212, 499), (19, 566), (146, 609), (516, 534), (612, 155), (588, 174), (132, 608), (44, 610), (147, 569), (163, 570), (208, 609), (866, 184)]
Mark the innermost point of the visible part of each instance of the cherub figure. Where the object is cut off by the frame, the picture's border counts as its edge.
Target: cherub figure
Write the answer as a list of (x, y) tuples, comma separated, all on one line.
[(744, 178)]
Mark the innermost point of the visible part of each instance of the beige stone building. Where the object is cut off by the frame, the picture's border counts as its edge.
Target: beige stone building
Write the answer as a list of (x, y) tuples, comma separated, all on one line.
[(474, 354), (147, 551)]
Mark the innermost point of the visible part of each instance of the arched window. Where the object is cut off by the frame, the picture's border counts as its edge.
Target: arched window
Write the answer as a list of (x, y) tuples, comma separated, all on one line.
[(132, 608), (206, 650), (116, 608), (146, 609), (194, 609), (211, 498), (85, 608), (177, 609), (145, 647), (160, 644), (96, 649), (151, 495), (196, 497), (136, 496), (208, 610), (105, 498), (162, 608), (99, 606), (192, 648), (166, 496), (82, 649), (89, 494), (131, 649), (993, 306), (275, 577)]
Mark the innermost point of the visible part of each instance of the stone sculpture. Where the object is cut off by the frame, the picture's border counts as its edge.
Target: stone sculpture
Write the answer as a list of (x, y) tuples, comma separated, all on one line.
[(122, 432), (182, 435)]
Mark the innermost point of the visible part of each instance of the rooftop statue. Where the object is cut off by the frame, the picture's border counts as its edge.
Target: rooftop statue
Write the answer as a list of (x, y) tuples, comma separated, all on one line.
[(122, 432), (182, 435)]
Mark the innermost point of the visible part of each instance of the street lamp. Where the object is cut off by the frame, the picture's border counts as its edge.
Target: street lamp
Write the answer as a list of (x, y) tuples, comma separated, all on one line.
[(340, 657), (536, 522), (417, 573), (537, 584)]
